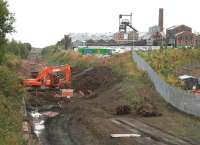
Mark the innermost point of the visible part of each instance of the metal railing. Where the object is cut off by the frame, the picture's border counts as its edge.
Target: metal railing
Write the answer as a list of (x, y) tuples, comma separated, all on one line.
[(180, 99)]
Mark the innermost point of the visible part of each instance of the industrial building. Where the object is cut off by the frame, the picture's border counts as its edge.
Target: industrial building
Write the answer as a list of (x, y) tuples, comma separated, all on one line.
[(129, 36), (161, 19), (176, 36), (67, 42), (181, 36), (127, 33), (198, 41), (155, 36)]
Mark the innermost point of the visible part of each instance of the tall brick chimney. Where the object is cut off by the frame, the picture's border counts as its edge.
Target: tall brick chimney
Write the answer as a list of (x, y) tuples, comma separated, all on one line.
[(160, 22)]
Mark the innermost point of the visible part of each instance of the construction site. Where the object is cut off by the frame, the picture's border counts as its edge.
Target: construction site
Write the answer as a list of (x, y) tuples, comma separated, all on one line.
[(98, 101), (92, 100), (82, 97), (120, 88)]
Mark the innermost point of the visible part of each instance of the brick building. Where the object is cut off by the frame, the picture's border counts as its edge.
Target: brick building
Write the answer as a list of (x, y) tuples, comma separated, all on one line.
[(181, 36), (198, 41), (129, 36)]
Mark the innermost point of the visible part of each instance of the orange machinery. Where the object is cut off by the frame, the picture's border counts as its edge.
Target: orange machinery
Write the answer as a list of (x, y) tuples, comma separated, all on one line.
[(52, 77)]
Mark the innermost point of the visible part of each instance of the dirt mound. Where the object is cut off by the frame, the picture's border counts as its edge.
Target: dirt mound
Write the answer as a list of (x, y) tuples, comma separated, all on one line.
[(147, 109), (98, 77)]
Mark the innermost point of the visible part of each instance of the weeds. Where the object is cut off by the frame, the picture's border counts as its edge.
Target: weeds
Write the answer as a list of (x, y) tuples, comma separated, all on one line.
[(169, 62), (11, 94)]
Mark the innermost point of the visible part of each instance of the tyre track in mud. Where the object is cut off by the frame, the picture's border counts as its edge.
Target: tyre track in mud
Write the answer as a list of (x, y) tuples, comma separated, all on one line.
[(57, 131)]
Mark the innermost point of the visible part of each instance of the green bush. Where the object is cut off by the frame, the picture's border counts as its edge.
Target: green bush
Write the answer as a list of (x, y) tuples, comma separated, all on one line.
[(12, 61), (11, 94), (18, 48)]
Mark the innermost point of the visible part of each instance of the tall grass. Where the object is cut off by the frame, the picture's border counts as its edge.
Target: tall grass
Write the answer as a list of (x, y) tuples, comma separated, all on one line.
[(168, 63), (11, 94)]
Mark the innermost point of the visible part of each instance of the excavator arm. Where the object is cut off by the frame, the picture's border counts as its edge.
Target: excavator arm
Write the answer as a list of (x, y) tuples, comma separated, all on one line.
[(44, 73), (68, 75)]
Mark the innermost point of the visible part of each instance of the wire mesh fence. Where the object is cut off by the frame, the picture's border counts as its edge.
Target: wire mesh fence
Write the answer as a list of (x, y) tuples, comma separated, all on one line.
[(180, 99)]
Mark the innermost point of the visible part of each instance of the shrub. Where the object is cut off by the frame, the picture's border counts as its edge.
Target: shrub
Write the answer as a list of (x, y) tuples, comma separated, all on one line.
[(11, 94)]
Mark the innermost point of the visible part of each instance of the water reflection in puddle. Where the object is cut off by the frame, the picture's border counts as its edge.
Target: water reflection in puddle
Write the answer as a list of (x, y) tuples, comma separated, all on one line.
[(38, 119)]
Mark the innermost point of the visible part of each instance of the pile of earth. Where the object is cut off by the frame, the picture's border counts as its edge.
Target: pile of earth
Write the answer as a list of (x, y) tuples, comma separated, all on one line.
[(97, 77)]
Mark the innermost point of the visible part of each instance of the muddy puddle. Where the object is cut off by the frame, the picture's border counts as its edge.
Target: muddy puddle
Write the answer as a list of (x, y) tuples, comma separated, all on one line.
[(39, 116)]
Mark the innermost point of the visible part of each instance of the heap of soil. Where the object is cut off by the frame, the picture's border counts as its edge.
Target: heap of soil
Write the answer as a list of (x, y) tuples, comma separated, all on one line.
[(148, 109), (96, 78)]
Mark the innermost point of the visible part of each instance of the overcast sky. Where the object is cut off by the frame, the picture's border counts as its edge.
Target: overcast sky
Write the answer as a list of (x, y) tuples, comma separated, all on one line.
[(44, 22)]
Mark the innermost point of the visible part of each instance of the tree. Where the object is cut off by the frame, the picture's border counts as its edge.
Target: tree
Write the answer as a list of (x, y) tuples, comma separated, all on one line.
[(6, 25), (18, 48)]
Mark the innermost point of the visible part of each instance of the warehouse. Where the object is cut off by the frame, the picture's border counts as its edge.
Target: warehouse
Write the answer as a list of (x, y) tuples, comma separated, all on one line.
[(181, 36)]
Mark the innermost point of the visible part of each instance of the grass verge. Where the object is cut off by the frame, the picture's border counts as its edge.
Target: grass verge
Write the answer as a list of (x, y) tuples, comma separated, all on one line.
[(11, 117)]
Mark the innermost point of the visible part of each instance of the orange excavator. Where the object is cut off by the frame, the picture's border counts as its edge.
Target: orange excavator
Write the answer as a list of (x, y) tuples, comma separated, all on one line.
[(58, 77)]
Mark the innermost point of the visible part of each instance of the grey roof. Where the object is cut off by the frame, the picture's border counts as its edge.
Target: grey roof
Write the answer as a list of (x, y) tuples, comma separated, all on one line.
[(183, 77), (173, 27)]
